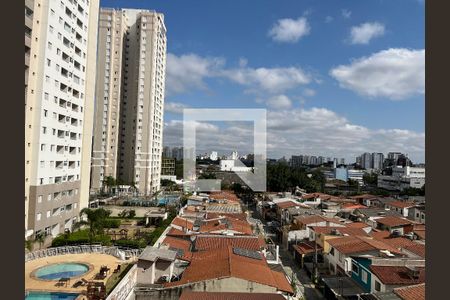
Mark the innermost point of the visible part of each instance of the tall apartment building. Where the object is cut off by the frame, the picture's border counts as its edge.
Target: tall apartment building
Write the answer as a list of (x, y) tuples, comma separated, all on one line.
[(130, 94), (377, 161), (60, 51)]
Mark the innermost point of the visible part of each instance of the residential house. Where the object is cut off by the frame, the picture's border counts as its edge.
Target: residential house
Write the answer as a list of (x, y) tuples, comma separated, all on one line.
[(229, 296), (387, 278), (412, 292), (417, 213), (395, 225), (400, 206)]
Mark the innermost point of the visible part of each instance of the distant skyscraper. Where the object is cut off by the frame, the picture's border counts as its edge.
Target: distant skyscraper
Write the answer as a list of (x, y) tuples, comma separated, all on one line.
[(167, 152), (342, 162), (394, 155), (367, 161), (377, 161)]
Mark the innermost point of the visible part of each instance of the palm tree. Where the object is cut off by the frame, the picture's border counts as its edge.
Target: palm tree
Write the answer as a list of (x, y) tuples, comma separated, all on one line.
[(40, 238), (95, 220)]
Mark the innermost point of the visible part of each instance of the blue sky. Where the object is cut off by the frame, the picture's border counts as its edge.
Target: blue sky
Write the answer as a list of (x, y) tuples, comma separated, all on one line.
[(346, 76)]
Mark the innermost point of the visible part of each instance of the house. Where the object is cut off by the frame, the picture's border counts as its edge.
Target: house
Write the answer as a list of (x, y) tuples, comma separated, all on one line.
[(341, 249), (400, 206), (387, 278), (395, 225), (231, 269), (417, 213), (419, 231), (229, 296), (379, 202), (369, 215), (154, 264), (291, 212), (208, 242), (371, 273)]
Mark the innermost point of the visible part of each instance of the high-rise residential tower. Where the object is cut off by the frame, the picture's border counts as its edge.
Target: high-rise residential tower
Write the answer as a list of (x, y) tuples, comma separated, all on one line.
[(60, 66), (130, 98)]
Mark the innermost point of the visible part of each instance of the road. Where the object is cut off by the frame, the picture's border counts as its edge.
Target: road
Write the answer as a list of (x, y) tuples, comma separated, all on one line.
[(303, 283)]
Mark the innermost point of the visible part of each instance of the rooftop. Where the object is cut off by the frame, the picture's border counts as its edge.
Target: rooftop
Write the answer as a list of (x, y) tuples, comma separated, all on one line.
[(229, 296), (412, 292), (401, 204), (396, 275), (153, 254), (394, 221), (207, 242)]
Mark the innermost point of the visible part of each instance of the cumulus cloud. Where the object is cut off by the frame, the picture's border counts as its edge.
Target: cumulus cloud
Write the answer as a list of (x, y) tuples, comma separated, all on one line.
[(309, 92), (365, 32), (279, 102), (289, 30), (188, 71), (273, 80), (346, 13), (174, 107), (314, 131), (396, 73)]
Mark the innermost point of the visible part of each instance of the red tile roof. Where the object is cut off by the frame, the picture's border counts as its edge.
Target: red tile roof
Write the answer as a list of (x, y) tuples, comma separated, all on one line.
[(412, 292), (352, 206), (306, 247), (357, 225), (188, 295), (175, 232), (218, 225), (213, 215), (364, 196), (184, 223), (214, 242), (287, 204), (401, 204), (223, 263), (181, 244), (395, 275), (393, 221), (357, 244), (224, 195), (305, 220), (416, 248)]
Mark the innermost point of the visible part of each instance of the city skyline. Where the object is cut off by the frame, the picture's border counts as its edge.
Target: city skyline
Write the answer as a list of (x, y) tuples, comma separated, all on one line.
[(315, 101)]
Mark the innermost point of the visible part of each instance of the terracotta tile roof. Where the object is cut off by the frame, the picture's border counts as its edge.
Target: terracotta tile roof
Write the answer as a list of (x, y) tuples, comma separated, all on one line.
[(305, 220), (214, 242), (416, 248), (175, 232), (401, 204), (357, 225), (412, 292), (420, 233), (358, 244), (352, 206), (184, 223), (395, 275), (179, 244), (363, 196), (328, 230), (217, 225), (188, 295), (380, 234), (224, 195), (287, 204), (393, 221), (223, 263), (306, 247)]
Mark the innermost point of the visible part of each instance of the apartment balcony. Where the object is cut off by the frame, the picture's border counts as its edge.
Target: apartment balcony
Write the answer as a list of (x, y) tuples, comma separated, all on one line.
[(27, 59), (27, 39), (29, 20)]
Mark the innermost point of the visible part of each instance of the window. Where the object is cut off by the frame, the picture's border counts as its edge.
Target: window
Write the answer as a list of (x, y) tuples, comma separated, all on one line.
[(42, 163), (48, 214), (44, 130), (377, 286), (39, 198), (45, 112), (340, 256), (364, 276), (49, 62), (49, 197), (46, 96), (42, 147), (355, 268), (38, 216)]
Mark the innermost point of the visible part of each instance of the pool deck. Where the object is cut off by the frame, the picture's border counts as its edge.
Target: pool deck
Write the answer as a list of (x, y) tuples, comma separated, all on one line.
[(95, 260)]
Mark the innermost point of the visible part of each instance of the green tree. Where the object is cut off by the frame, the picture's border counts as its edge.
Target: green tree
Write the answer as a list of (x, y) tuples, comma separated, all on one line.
[(95, 220), (370, 178)]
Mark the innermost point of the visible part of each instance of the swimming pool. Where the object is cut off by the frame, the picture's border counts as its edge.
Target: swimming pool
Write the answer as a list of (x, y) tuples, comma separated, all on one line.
[(63, 270), (50, 296)]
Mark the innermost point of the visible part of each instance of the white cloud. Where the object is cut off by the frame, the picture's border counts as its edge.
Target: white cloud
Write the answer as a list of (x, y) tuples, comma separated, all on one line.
[(309, 92), (328, 19), (279, 102), (396, 73), (315, 131), (174, 107), (243, 62), (363, 33), (273, 80), (289, 30), (188, 71), (346, 13)]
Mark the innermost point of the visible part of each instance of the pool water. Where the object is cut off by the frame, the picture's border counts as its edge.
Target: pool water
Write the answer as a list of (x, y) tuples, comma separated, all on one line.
[(64, 270), (50, 296)]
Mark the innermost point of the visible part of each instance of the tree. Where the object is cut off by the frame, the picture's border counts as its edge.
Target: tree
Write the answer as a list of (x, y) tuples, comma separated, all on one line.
[(95, 220), (40, 238), (109, 182), (370, 178)]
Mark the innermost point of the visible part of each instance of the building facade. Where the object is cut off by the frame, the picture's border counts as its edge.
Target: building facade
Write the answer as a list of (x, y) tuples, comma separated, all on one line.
[(168, 166), (60, 51), (130, 107)]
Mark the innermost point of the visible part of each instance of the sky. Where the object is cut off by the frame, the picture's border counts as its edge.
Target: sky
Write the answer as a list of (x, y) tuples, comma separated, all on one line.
[(338, 78)]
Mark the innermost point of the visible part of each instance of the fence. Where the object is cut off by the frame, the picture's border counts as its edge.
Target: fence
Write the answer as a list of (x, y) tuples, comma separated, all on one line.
[(125, 286), (110, 250)]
